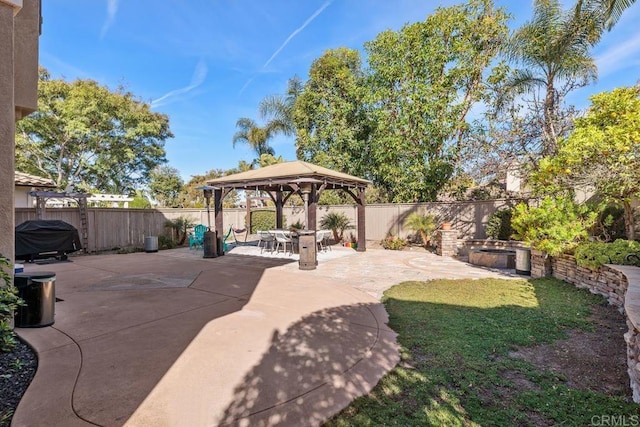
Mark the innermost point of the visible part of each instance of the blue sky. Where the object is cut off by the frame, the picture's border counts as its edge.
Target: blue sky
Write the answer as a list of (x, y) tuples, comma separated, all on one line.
[(206, 63)]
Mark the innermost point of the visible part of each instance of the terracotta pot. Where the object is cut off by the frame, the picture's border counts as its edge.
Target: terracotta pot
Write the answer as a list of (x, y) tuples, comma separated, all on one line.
[(445, 226)]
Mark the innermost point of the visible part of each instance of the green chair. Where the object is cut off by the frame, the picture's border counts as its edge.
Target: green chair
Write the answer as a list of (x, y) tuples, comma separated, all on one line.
[(196, 238)]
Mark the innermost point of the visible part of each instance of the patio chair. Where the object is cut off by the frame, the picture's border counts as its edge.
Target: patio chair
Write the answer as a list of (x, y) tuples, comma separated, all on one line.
[(282, 239), (322, 239), (196, 237), (265, 239)]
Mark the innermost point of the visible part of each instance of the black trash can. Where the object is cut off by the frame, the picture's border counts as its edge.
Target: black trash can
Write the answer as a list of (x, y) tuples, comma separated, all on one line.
[(210, 244), (39, 293)]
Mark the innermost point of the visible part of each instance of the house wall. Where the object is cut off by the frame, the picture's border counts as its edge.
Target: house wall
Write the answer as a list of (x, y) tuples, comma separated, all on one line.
[(19, 32), (22, 198)]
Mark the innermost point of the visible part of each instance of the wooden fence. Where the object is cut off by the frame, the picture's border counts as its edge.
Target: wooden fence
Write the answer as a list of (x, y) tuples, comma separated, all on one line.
[(121, 228)]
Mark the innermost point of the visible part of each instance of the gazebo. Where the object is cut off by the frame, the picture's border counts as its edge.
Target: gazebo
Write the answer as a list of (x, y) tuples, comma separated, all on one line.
[(282, 180)]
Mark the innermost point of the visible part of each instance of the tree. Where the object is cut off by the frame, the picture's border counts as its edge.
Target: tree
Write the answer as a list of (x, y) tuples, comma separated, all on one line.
[(555, 226), (195, 198), (254, 136), (602, 153), (140, 201), (278, 109), (88, 136), (554, 48), (165, 186), (610, 9), (337, 222), (424, 80), (330, 116), (422, 223)]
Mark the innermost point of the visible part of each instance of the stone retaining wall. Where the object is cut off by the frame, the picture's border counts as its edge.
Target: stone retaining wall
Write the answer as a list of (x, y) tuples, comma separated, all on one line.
[(620, 285)]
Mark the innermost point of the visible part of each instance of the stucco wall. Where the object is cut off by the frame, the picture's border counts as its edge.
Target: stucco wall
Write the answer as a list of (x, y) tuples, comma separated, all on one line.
[(27, 31), (19, 32), (7, 130)]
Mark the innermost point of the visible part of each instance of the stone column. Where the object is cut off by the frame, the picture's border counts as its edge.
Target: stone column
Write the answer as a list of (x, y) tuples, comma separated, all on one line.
[(446, 242), (540, 264)]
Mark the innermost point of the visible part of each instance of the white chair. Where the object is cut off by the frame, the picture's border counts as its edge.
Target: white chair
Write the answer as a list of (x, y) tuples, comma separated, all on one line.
[(283, 239), (322, 239), (265, 240)]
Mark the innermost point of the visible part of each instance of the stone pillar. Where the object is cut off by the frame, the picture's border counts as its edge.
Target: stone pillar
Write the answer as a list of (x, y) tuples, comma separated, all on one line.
[(446, 242), (540, 264), (7, 131)]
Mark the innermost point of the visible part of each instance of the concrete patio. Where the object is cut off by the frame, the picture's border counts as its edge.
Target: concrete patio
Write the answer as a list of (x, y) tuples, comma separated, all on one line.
[(170, 338)]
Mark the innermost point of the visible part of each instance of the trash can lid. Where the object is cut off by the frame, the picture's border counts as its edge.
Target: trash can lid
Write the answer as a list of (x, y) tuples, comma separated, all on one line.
[(36, 275)]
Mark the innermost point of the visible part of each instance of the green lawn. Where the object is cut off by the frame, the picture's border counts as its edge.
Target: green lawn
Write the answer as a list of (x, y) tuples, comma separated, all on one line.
[(455, 338)]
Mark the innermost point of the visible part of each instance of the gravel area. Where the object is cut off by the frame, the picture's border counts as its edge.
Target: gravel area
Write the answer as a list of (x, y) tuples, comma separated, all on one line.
[(16, 371)]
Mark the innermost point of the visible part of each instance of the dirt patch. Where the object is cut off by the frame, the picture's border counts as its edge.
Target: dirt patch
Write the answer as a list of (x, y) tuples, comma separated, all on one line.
[(595, 360)]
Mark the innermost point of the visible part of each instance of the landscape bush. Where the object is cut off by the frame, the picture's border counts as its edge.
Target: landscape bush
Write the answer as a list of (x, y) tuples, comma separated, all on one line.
[(9, 303), (394, 243), (263, 220), (595, 254), (499, 225), (557, 225)]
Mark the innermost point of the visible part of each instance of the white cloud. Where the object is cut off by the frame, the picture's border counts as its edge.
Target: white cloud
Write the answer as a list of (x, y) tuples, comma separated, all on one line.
[(297, 31), (288, 39), (199, 76), (619, 56), (112, 9)]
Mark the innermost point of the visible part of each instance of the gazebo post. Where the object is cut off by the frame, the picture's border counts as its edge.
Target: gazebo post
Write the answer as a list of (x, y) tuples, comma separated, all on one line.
[(311, 208), (362, 238), (279, 204), (217, 208)]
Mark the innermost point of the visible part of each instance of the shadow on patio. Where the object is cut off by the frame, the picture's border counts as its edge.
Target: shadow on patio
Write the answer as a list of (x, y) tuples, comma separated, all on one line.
[(315, 368), (122, 322)]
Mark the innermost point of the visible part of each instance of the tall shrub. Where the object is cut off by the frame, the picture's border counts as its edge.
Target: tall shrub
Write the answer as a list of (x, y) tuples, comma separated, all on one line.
[(499, 225), (263, 220), (555, 226)]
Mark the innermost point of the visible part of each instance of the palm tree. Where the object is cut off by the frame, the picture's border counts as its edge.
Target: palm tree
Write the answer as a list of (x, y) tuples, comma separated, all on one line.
[(337, 222), (421, 223), (554, 48), (255, 136), (278, 109), (611, 9)]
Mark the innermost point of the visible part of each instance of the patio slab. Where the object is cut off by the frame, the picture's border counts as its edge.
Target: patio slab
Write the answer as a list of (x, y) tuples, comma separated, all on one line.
[(171, 339)]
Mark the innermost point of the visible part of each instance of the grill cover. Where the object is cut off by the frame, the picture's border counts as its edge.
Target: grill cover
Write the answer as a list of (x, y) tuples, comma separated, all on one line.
[(41, 236)]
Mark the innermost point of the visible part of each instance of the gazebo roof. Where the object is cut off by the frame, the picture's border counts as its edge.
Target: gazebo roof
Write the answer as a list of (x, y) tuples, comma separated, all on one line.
[(281, 175)]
